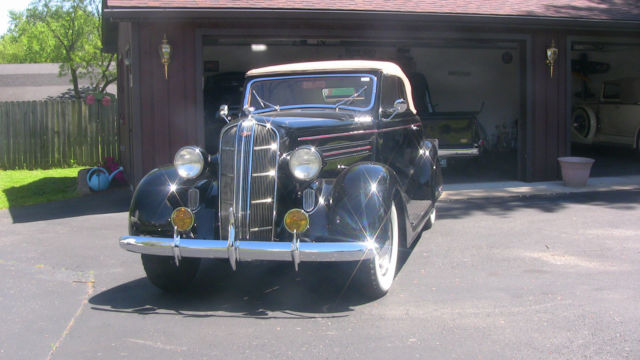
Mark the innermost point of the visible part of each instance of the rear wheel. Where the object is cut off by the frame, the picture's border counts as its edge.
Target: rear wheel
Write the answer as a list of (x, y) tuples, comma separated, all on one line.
[(376, 276), (163, 272)]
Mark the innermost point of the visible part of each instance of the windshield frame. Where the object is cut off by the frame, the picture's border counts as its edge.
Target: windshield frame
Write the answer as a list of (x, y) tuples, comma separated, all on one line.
[(374, 85)]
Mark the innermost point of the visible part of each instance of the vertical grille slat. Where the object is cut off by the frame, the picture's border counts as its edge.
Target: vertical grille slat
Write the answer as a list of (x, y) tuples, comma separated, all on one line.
[(227, 177), (247, 149), (265, 160)]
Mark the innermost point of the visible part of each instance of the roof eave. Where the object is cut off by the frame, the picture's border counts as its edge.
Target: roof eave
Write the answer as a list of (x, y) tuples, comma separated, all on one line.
[(205, 14)]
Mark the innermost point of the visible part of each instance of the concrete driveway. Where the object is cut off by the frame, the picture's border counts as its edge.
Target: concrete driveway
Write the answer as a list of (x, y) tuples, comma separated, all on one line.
[(553, 277)]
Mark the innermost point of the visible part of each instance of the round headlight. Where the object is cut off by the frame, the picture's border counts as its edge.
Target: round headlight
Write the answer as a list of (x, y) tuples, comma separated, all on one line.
[(305, 163), (189, 162)]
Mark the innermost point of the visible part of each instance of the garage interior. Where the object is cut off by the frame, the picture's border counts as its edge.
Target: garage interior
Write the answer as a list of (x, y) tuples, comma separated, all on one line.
[(593, 62), (482, 75)]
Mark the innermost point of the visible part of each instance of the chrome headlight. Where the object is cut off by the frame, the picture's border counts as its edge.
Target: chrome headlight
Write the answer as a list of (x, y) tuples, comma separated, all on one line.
[(305, 163), (189, 162)]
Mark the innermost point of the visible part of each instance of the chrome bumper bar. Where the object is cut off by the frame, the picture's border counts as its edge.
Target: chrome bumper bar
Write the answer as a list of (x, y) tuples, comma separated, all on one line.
[(235, 251)]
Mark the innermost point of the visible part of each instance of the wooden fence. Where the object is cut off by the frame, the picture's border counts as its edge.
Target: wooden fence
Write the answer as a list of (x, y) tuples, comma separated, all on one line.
[(45, 134)]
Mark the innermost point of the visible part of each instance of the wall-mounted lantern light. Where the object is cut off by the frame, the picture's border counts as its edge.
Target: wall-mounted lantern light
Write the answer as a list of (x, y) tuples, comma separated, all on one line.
[(552, 56), (165, 55)]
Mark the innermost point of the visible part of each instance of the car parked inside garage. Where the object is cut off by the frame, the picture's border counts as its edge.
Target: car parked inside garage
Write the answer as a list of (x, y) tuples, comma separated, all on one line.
[(329, 164), (614, 119)]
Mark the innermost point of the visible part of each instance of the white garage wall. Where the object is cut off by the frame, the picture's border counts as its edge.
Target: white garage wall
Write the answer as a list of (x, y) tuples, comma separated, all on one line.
[(459, 79), (624, 61)]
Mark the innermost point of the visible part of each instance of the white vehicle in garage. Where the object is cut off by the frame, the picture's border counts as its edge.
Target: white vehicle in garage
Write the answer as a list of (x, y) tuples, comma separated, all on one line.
[(614, 119)]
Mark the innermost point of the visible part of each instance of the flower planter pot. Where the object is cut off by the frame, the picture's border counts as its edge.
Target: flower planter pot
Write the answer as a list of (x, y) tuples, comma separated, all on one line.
[(575, 170)]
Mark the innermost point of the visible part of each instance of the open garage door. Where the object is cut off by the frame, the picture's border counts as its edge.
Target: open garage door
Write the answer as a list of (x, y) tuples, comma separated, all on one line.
[(481, 76), (605, 99)]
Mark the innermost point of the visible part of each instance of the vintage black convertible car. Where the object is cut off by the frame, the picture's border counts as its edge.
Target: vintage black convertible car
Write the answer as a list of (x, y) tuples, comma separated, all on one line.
[(329, 164)]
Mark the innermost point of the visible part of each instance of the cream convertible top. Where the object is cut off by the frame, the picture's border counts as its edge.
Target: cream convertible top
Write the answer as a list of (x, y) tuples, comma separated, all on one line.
[(386, 67)]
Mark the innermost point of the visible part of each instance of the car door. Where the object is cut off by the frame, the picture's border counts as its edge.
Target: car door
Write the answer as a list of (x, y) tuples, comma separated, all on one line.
[(399, 139)]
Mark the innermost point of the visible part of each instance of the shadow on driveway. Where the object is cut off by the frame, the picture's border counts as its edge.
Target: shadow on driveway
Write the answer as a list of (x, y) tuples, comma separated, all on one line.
[(501, 207), (110, 201), (257, 290)]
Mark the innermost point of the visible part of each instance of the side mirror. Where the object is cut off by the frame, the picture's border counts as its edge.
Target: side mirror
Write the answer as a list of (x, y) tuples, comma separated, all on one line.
[(399, 106), (224, 112)]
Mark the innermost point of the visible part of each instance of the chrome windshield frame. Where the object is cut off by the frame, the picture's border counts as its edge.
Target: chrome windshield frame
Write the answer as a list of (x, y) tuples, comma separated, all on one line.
[(374, 84)]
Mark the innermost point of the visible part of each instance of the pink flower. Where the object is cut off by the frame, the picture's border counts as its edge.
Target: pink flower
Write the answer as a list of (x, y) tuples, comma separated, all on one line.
[(106, 101), (91, 99)]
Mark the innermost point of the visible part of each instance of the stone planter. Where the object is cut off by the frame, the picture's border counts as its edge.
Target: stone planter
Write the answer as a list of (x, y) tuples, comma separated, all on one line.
[(575, 170)]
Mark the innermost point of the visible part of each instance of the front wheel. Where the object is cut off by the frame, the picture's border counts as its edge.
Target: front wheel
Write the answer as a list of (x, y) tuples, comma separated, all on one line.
[(431, 220), (375, 276), (163, 272)]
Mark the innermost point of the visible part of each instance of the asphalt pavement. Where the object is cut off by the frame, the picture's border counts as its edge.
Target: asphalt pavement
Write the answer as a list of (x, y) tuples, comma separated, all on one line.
[(527, 277)]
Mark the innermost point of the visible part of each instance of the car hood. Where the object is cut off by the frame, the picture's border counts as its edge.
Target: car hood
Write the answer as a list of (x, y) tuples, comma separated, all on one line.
[(299, 123)]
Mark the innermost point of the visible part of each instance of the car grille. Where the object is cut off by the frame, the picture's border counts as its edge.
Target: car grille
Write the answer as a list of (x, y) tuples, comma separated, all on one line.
[(248, 171)]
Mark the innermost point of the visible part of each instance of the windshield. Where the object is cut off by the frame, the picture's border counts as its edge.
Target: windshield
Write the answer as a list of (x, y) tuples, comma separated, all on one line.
[(340, 91)]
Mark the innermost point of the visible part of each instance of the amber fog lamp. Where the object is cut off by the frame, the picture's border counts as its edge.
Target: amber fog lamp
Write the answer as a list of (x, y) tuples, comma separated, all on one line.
[(296, 220), (182, 218)]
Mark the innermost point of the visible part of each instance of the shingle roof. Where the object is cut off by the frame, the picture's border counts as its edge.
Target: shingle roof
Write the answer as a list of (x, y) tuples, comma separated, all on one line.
[(628, 10)]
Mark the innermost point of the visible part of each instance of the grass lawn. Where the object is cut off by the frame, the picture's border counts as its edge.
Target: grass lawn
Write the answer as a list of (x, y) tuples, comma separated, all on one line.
[(27, 187)]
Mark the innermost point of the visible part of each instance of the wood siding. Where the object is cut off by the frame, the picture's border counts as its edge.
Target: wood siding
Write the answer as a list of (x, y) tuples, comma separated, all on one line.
[(547, 130), (166, 108)]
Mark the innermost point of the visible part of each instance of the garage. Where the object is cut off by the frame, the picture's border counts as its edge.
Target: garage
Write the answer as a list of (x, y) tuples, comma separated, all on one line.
[(480, 75), (479, 57), (605, 103)]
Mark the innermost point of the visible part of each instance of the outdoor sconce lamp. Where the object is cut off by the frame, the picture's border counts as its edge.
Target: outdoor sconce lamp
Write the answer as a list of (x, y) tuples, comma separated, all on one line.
[(165, 55), (552, 56)]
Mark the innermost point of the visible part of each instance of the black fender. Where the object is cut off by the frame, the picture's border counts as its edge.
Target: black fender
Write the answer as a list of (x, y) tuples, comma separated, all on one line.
[(361, 199), (161, 191), (425, 182)]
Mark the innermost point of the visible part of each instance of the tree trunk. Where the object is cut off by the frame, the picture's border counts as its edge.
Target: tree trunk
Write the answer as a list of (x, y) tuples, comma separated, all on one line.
[(74, 79)]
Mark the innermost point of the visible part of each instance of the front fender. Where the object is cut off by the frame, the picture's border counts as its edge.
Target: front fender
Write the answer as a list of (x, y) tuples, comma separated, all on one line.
[(361, 200), (161, 191)]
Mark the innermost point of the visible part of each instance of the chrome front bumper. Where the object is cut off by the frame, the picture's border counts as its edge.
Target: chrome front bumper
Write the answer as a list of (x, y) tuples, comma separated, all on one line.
[(235, 251)]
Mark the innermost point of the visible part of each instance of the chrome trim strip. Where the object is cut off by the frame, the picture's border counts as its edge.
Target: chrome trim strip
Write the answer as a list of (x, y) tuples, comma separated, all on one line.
[(262, 228), (263, 201), (270, 173), (247, 218), (264, 147), (347, 150), (358, 132), (251, 250), (443, 153)]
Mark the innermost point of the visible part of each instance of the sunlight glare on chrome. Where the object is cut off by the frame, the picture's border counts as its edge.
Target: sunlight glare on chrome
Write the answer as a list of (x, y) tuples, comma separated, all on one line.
[(364, 118), (374, 187)]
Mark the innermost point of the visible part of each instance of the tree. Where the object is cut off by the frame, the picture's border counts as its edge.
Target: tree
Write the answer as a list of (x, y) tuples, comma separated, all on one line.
[(63, 31)]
